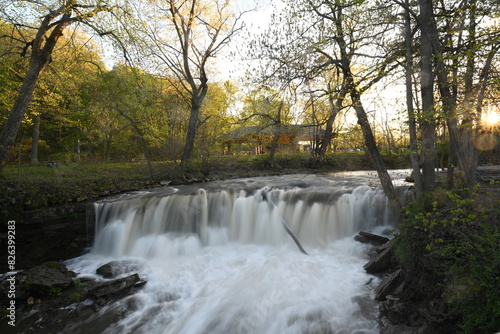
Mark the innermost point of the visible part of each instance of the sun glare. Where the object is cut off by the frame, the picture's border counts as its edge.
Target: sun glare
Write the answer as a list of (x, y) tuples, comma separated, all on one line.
[(492, 119)]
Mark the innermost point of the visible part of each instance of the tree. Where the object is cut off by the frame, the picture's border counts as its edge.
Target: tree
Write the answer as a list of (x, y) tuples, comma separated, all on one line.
[(266, 107), (412, 126), (48, 23), (201, 29), (136, 97), (458, 52), (428, 122), (218, 119), (291, 54), (362, 53)]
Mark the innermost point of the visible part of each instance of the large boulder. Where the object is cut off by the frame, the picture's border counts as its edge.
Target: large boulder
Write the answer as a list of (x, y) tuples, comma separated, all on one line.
[(116, 268), (106, 291), (368, 237), (48, 278)]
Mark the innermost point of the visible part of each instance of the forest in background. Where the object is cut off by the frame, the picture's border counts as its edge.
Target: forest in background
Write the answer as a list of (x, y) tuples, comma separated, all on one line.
[(317, 64)]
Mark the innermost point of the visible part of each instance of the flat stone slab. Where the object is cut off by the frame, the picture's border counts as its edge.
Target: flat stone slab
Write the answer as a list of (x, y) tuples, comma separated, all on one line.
[(388, 285), (380, 262), (376, 239), (47, 276)]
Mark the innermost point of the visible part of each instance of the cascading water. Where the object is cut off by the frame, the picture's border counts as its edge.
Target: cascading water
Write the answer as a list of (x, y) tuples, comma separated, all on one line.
[(218, 259)]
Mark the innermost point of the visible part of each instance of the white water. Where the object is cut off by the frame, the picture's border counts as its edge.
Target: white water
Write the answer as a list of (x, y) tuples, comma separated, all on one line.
[(221, 262)]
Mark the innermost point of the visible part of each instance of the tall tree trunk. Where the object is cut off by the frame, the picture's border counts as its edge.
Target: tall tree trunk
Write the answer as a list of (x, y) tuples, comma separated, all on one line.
[(427, 91), (42, 48), (35, 140), (417, 176), (352, 88), (191, 134), (461, 136), (467, 133), (328, 135), (13, 123), (276, 137), (335, 106)]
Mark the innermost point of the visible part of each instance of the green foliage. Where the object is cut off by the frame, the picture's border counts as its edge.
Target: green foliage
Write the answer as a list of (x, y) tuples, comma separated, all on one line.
[(75, 296), (451, 243), (54, 291)]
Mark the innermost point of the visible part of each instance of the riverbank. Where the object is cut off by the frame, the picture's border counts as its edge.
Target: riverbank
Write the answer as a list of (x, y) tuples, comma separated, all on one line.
[(440, 272), (48, 190)]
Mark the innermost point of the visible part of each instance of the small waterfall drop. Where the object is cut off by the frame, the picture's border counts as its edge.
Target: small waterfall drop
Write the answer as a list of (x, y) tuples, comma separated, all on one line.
[(218, 260), (217, 218)]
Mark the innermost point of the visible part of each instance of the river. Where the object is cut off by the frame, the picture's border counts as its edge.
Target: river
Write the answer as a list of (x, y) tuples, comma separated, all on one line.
[(217, 257)]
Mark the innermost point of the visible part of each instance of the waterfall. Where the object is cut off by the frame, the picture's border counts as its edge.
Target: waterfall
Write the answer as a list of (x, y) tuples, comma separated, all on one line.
[(215, 218), (217, 259)]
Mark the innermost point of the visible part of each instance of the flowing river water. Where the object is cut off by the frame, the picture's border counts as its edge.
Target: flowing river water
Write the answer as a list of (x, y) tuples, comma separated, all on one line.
[(217, 258)]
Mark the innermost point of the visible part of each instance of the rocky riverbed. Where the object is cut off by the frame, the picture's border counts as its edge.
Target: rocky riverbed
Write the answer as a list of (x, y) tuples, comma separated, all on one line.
[(50, 299), (397, 315)]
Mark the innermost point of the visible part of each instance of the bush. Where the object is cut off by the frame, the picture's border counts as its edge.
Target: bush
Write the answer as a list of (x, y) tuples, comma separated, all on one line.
[(449, 244)]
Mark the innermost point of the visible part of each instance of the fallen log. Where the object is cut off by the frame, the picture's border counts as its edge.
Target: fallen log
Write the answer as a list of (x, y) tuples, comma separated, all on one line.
[(283, 222)]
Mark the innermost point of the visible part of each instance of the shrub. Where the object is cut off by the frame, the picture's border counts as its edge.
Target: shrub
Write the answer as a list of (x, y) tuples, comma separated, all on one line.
[(449, 242)]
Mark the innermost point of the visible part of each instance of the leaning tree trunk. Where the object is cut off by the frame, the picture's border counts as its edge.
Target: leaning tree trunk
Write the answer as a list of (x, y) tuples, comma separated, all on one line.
[(328, 136), (190, 136), (371, 145), (197, 97), (42, 48), (13, 123), (351, 88)]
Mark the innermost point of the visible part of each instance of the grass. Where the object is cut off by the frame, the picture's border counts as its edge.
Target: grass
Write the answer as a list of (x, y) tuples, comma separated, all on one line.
[(25, 188)]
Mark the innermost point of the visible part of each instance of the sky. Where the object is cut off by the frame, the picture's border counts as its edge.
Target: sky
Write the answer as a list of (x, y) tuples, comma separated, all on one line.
[(233, 62), (232, 65)]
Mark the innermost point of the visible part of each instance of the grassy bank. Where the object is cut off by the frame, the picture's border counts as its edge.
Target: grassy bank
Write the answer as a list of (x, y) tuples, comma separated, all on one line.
[(25, 188)]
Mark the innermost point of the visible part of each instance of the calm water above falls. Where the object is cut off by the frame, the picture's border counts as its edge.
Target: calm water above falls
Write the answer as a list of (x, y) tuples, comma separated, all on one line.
[(218, 259)]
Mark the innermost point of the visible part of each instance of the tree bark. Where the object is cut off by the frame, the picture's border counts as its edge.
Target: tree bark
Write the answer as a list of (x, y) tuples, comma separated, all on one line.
[(13, 123), (352, 89), (193, 122), (427, 92), (371, 145), (276, 137), (417, 176)]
